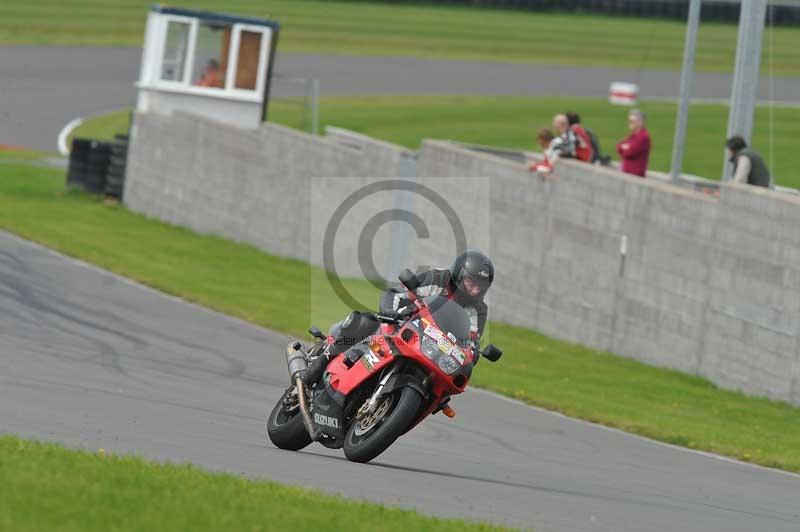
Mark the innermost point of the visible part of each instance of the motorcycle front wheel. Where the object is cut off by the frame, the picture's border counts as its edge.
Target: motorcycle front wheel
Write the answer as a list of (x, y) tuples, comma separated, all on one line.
[(370, 435), (285, 427)]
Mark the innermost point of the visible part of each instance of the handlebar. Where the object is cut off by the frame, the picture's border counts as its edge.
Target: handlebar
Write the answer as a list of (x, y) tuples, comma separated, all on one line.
[(388, 318), (396, 316)]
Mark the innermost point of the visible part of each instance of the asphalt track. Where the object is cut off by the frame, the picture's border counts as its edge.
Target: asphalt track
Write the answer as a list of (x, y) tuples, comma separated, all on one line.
[(42, 88), (93, 360)]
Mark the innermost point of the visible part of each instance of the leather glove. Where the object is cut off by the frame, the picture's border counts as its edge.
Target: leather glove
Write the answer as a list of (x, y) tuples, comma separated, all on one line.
[(476, 348)]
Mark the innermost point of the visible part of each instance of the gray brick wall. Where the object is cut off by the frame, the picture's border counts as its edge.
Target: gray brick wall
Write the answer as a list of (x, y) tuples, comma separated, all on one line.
[(250, 186), (709, 286)]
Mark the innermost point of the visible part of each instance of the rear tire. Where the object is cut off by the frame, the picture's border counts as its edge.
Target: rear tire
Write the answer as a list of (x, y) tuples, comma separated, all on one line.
[(286, 429), (363, 444)]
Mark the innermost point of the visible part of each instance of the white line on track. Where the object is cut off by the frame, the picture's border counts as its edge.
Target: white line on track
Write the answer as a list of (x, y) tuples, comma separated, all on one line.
[(146, 288), (639, 437), (63, 149)]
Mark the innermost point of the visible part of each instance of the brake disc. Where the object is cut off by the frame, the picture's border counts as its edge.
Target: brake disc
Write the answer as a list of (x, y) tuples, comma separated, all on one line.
[(365, 423)]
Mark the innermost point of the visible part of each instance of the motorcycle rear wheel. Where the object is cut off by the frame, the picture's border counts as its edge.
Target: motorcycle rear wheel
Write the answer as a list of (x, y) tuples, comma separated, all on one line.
[(286, 429), (365, 441)]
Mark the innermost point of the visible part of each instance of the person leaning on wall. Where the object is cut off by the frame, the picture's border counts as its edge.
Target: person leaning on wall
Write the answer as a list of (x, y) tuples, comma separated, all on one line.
[(574, 120), (568, 140), (585, 149), (551, 148), (748, 166), (635, 149)]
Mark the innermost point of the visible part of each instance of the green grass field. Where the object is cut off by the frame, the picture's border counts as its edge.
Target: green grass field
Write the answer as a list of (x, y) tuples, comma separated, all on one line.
[(103, 126), (240, 280), (18, 155), (513, 122), (440, 32), (47, 487)]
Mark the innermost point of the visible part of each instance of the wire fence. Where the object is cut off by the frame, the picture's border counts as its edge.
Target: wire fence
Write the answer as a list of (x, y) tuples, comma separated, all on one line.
[(783, 12), (294, 102)]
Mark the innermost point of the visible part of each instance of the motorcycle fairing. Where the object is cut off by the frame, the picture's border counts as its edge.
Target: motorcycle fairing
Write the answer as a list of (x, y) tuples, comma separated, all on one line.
[(328, 412), (344, 380), (407, 341)]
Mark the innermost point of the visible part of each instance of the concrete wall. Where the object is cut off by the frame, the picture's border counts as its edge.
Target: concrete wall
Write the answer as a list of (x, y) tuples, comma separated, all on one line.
[(243, 113), (250, 186), (709, 286)]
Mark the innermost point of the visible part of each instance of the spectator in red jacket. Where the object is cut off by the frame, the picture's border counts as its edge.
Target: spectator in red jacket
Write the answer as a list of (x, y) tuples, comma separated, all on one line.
[(635, 150)]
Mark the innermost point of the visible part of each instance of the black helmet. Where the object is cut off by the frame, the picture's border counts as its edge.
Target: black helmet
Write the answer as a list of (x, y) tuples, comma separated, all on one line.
[(471, 271)]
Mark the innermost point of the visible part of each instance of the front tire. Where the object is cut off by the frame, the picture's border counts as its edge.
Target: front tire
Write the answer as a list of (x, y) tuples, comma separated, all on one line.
[(367, 438), (286, 428)]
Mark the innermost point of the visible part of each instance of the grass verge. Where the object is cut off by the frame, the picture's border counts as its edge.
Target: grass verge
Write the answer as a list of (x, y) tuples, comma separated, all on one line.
[(59, 489), (413, 30), (240, 280), (22, 154), (103, 126), (513, 122)]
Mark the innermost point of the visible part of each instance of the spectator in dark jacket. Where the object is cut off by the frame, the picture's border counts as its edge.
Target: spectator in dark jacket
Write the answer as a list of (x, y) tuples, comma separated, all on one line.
[(748, 166), (635, 150), (584, 150)]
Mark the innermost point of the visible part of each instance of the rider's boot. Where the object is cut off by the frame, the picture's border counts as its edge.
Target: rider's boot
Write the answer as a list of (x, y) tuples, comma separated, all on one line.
[(317, 357), (317, 365)]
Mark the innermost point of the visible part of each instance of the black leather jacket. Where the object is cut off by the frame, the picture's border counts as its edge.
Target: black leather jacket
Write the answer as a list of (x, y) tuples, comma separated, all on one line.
[(435, 282)]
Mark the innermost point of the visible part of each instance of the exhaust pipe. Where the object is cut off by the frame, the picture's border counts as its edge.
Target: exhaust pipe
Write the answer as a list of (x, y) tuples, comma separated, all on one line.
[(301, 397), (295, 360), (296, 363)]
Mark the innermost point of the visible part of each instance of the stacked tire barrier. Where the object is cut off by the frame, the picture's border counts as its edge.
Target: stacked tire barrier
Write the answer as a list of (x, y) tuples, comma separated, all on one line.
[(99, 156), (78, 159), (98, 167), (115, 176)]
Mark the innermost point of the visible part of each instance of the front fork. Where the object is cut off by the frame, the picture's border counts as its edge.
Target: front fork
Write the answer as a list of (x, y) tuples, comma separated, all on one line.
[(369, 405)]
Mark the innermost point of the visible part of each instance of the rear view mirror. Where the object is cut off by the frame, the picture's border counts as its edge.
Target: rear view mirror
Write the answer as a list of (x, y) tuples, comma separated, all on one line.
[(409, 280), (492, 353)]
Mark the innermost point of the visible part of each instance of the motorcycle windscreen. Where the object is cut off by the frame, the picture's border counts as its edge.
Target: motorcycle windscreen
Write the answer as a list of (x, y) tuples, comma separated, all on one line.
[(451, 318)]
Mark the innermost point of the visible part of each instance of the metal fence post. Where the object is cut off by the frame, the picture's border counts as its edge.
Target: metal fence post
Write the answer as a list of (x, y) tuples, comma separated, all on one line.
[(745, 76), (306, 98), (686, 90), (401, 229), (315, 106)]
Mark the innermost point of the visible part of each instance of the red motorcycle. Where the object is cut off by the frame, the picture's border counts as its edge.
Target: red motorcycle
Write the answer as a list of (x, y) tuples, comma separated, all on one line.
[(363, 389)]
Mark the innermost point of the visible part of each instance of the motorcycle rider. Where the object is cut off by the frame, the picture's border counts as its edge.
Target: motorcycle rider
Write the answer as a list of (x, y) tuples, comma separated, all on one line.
[(466, 283)]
